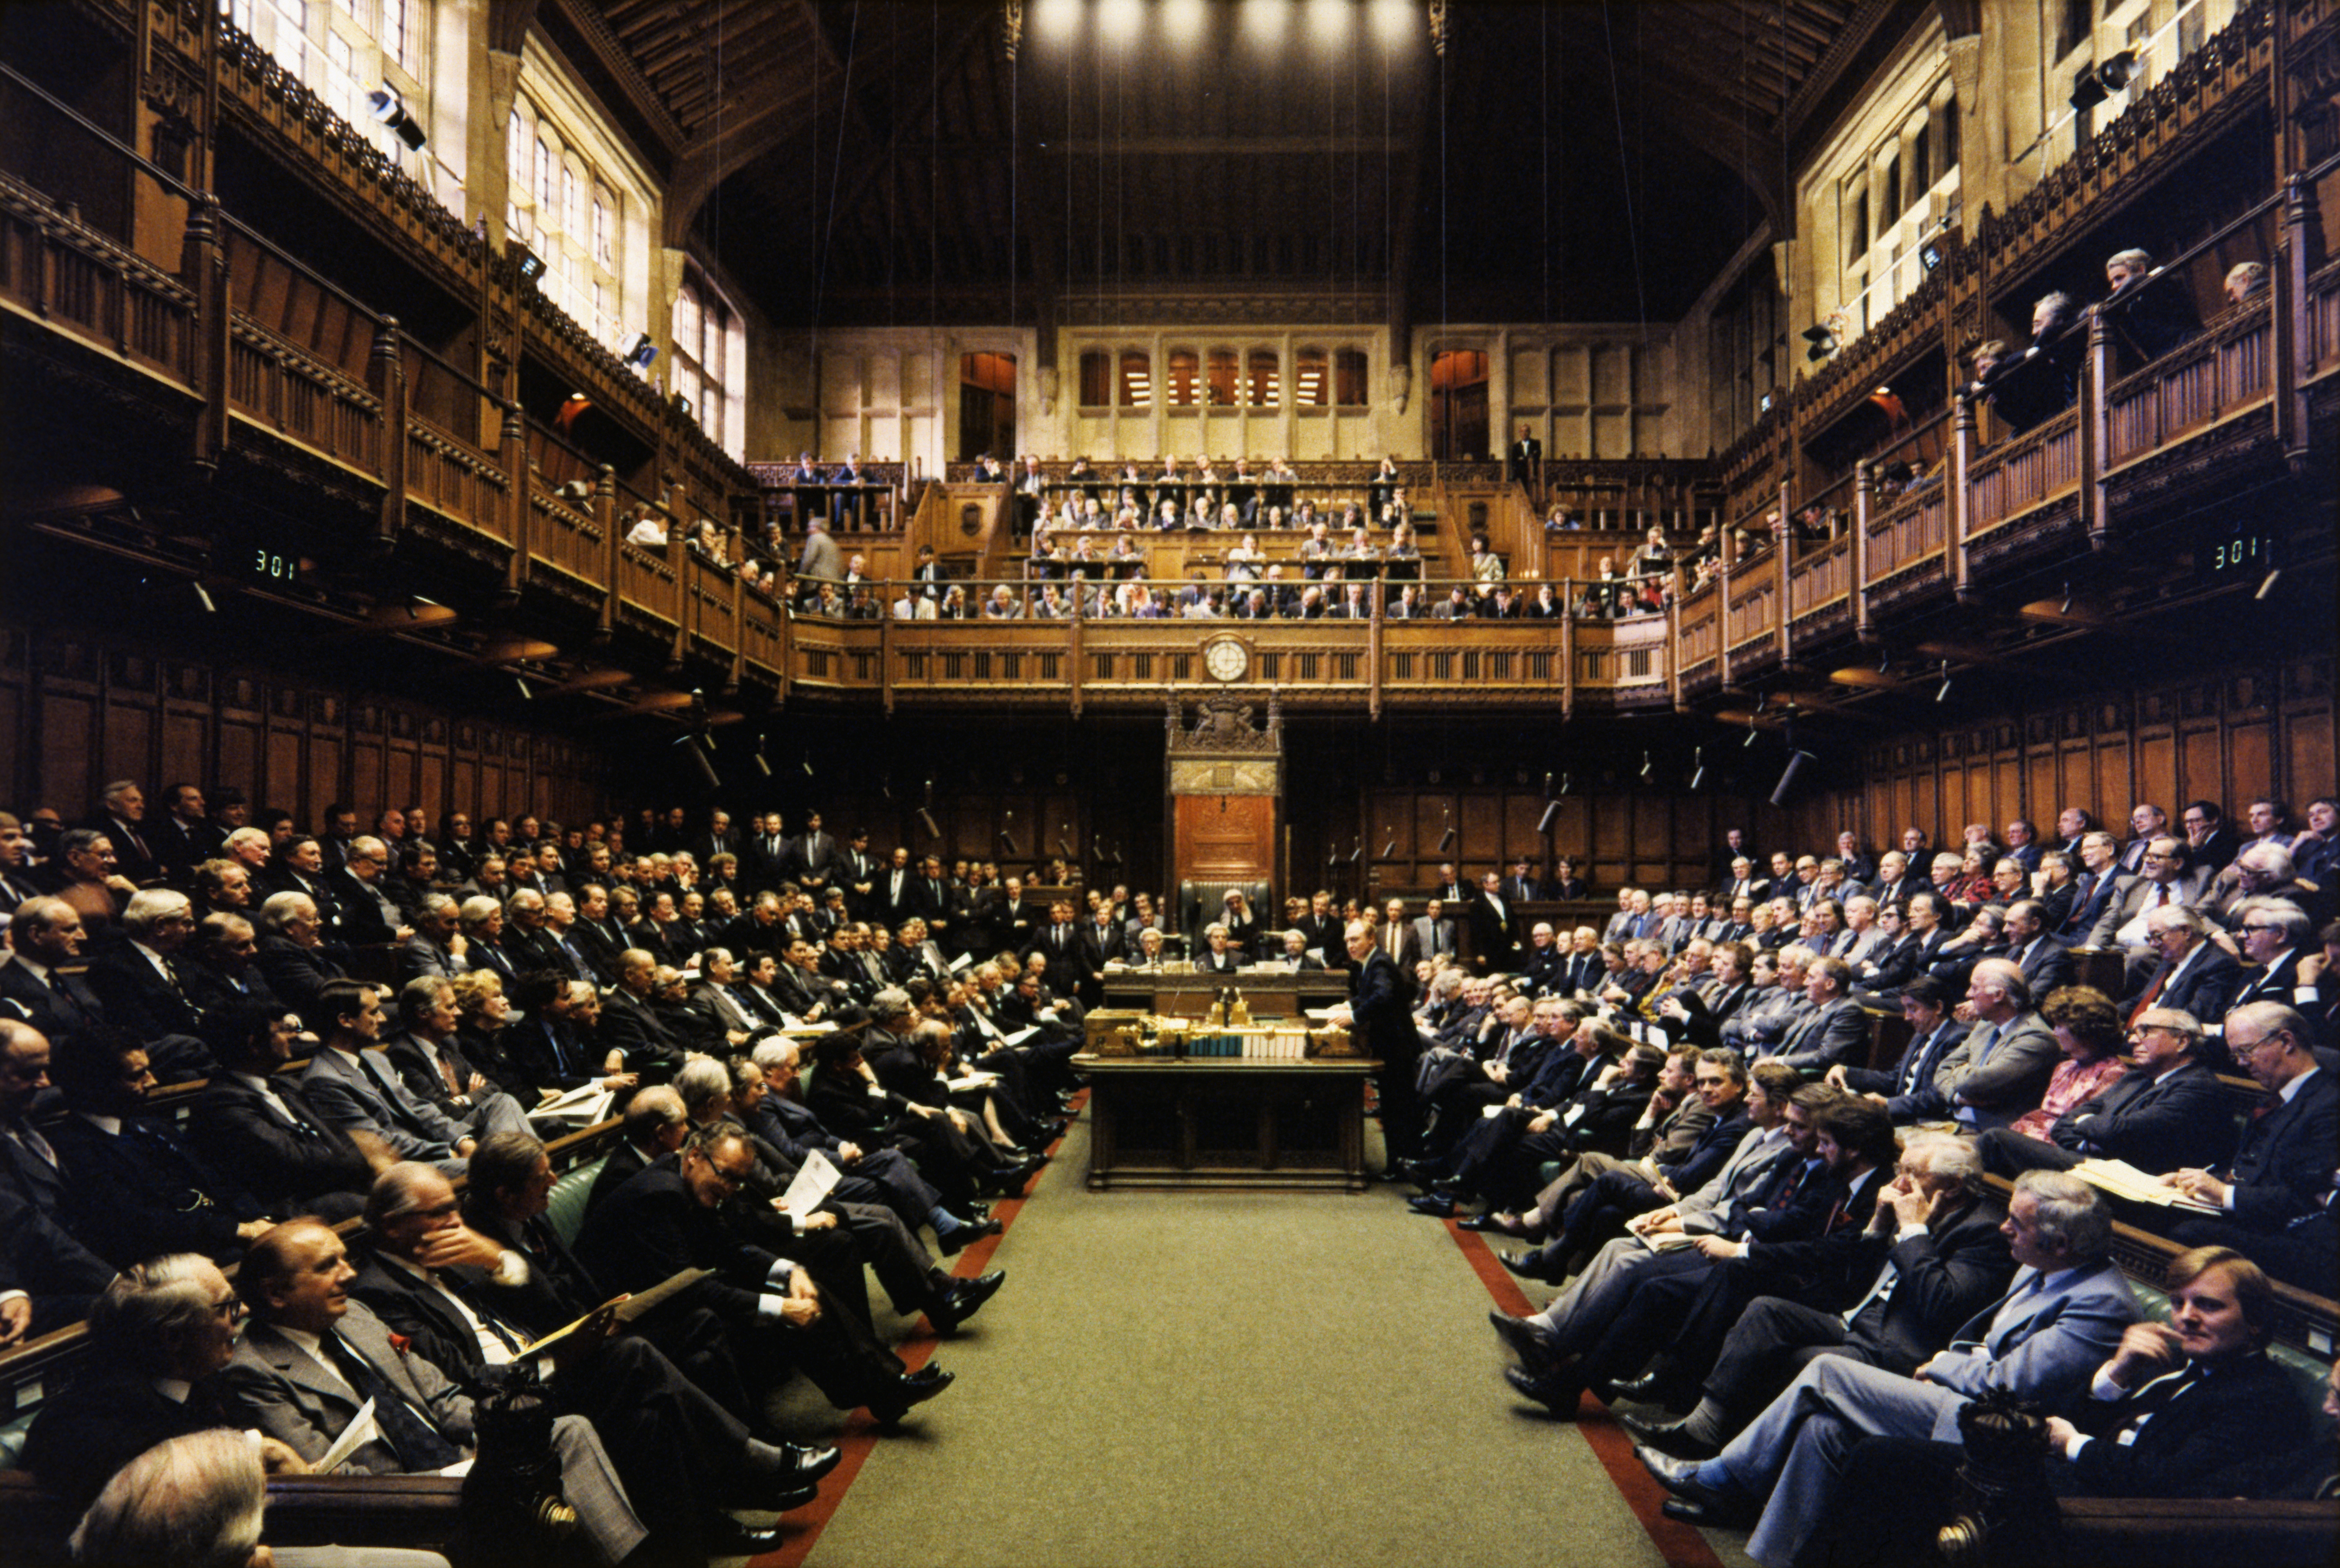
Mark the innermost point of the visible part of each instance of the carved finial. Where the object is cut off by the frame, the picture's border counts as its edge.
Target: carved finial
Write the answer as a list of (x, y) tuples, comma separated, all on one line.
[(1438, 27), (1011, 24)]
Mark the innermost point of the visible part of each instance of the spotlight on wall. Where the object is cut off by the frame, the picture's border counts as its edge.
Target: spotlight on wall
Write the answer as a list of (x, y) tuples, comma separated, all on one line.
[(2091, 87), (388, 107), (203, 598), (1931, 255), (1944, 689), (641, 353), (1823, 342), (532, 265), (1796, 760), (1763, 403)]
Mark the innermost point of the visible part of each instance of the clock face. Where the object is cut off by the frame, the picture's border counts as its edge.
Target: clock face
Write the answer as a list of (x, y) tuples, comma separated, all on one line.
[(1227, 660)]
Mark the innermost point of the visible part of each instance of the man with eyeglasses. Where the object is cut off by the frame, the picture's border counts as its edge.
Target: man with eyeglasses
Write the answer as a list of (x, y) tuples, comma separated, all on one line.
[(369, 915), (2165, 876), (157, 1332), (2276, 936), (2282, 1175), (2191, 973), (2166, 1113), (2206, 834)]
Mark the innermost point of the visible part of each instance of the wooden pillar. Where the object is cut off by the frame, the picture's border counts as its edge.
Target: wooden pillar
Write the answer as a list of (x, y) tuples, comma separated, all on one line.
[(2096, 429), (1961, 500), (1864, 496), (386, 371), (202, 267), (520, 503), (605, 513)]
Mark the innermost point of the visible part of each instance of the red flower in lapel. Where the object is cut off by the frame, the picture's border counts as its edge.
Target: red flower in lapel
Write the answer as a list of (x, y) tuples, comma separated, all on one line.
[(400, 1343)]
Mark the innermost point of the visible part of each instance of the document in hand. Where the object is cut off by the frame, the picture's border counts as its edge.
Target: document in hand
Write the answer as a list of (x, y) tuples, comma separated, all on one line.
[(2123, 1179), (359, 1432), (815, 1179), (628, 1308)]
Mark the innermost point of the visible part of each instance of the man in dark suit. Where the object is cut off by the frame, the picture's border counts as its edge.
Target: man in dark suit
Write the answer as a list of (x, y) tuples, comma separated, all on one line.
[(933, 899), (369, 917), (631, 1025), (155, 1334), (2283, 1172), (681, 1454), (2194, 975), (310, 1357), (856, 873), (763, 861), (2099, 888), (1932, 1256), (432, 1066), (664, 1219), (36, 987), (132, 1189), (120, 816), (253, 1124), (1525, 465), (183, 837), (1380, 1025), (812, 858), (2046, 963), (1911, 1089), (1495, 927), (293, 955), (2166, 1113)]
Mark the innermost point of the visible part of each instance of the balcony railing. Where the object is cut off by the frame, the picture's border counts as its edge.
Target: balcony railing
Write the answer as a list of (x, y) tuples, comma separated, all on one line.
[(268, 352)]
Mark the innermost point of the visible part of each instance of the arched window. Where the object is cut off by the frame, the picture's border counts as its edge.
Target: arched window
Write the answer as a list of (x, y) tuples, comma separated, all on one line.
[(1221, 376), (1260, 385), (1097, 378), (1186, 372), (1136, 379), (1311, 379)]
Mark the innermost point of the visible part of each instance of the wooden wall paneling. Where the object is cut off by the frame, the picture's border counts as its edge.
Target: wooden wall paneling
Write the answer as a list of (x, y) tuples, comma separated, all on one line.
[(2249, 725), (1612, 838), (236, 733), (1483, 844), (186, 729), (132, 713), (284, 750), (1924, 794), (2201, 764), (1433, 813), (1572, 833), (16, 718), (68, 691), (1653, 828), (1522, 810), (1066, 827), (431, 771), (367, 745), (2006, 775), (2043, 791), (970, 823), (399, 757), (2307, 732), (328, 760), (463, 772)]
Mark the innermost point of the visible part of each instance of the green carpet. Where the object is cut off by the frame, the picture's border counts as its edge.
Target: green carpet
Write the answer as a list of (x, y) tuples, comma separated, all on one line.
[(1219, 1379)]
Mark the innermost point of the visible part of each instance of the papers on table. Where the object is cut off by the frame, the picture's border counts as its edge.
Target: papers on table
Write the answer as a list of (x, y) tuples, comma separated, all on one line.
[(2123, 1179), (587, 1105)]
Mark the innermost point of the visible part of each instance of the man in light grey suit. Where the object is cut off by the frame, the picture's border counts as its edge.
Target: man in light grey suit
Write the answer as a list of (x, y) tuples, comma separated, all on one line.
[(2001, 1068), (1434, 932), (310, 1357), (2061, 1317), (356, 1088)]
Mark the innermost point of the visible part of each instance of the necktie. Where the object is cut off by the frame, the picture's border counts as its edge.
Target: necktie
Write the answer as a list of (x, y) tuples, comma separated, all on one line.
[(2152, 993), (418, 1444), (1879, 1292), (447, 1071)]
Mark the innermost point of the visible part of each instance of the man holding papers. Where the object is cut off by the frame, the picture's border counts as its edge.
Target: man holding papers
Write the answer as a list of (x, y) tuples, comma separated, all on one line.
[(683, 1456)]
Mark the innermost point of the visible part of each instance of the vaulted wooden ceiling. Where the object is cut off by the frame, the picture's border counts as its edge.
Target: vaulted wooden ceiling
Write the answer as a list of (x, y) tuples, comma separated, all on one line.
[(869, 162)]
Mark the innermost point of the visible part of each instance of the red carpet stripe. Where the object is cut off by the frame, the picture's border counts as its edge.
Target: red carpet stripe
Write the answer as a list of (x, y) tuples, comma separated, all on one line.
[(802, 1528), (1682, 1545)]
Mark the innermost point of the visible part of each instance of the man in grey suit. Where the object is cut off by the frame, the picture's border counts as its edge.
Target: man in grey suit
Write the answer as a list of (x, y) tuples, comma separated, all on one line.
[(2001, 1068), (357, 1089), (2061, 1317), (1433, 931), (311, 1358)]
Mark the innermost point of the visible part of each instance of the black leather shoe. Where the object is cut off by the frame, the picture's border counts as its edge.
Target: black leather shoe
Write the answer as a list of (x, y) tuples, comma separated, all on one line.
[(806, 1465), (724, 1536), (1437, 1205), (966, 1299), (1699, 1505), (1557, 1393), (1525, 1338), (1479, 1222), (1529, 1264), (1660, 1387), (966, 1235), (1666, 1437), (930, 1373), (894, 1404)]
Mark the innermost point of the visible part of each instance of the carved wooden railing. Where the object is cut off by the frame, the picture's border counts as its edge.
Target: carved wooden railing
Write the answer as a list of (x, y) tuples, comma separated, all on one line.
[(2225, 369)]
